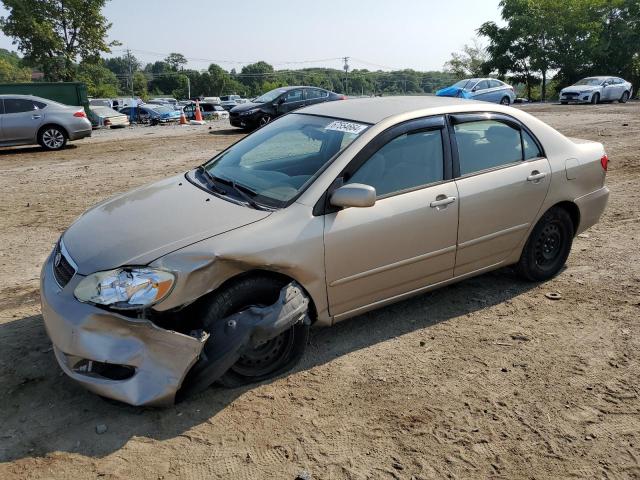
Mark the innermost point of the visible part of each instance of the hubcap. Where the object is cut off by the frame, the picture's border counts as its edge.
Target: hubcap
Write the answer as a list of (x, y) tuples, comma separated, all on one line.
[(264, 120), (53, 138), (548, 245), (265, 358), (505, 101)]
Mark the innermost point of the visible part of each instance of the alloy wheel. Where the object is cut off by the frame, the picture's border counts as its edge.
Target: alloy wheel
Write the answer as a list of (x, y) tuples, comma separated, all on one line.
[(53, 138)]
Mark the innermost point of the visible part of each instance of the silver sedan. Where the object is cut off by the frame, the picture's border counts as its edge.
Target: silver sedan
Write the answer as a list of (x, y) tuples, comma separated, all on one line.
[(27, 120)]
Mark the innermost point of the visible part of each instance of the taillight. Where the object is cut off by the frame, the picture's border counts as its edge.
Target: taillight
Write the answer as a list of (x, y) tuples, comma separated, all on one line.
[(342, 97), (80, 114), (604, 161)]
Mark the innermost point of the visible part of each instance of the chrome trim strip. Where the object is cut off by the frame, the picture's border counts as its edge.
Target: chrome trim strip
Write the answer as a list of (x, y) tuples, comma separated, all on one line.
[(491, 236), (391, 266)]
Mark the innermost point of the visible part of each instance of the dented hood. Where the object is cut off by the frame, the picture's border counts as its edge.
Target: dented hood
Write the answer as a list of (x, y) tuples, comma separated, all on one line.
[(140, 226)]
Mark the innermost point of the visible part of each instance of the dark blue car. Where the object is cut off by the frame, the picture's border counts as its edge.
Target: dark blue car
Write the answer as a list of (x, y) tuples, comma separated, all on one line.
[(150, 113)]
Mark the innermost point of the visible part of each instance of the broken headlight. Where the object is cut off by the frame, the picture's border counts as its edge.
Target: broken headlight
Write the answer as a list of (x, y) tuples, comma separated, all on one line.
[(125, 287)]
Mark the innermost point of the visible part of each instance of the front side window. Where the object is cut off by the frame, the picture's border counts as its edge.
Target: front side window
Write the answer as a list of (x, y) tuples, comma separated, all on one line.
[(486, 144), (293, 96), (483, 85), (276, 162), (18, 105), (408, 161)]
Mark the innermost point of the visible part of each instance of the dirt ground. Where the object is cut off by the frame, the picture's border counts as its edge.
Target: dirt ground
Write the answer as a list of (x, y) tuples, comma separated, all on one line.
[(484, 379)]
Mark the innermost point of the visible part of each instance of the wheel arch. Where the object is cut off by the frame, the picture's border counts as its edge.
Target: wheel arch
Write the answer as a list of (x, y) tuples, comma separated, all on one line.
[(572, 209), (260, 272), (52, 124)]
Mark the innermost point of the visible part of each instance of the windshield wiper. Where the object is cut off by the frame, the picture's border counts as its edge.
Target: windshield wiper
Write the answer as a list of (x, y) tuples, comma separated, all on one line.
[(211, 180), (241, 189)]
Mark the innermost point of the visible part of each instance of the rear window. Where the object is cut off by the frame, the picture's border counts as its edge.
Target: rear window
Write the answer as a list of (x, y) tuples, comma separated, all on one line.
[(18, 105)]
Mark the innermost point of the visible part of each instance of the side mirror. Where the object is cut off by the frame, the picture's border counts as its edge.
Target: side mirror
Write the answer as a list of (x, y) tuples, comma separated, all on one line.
[(354, 195), (474, 89)]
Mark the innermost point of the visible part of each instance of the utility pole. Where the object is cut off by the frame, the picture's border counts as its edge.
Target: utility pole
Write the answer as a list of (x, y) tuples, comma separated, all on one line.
[(346, 75), (130, 72)]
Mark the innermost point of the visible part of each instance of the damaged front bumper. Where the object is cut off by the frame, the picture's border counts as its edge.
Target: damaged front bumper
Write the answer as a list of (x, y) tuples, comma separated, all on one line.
[(126, 359)]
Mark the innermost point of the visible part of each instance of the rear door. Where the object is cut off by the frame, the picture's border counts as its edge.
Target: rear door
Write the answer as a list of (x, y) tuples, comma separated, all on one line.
[(315, 95), (293, 100), (21, 120), (502, 178)]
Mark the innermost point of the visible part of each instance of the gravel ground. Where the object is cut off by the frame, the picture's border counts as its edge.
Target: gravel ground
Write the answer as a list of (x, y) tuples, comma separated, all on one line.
[(484, 379)]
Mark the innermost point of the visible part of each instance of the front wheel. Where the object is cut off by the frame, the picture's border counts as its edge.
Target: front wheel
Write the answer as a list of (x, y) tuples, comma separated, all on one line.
[(264, 120), (595, 99), (505, 101), (52, 138), (624, 98), (548, 246), (270, 358)]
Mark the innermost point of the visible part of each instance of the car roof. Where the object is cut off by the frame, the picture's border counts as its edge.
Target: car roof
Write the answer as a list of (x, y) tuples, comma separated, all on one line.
[(374, 110)]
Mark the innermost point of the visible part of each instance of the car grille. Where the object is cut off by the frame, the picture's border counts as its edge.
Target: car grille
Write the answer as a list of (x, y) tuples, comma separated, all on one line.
[(63, 271), (570, 95)]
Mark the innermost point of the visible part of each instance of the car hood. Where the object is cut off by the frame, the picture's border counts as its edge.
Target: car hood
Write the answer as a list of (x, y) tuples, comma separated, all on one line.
[(142, 225), (243, 107), (580, 88), (453, 92)]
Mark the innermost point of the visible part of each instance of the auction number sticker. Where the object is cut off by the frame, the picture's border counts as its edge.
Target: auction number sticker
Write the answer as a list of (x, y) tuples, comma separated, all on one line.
[(348, 127)]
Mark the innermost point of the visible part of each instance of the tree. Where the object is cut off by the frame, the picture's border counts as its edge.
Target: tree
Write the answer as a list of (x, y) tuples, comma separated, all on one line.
[(469, 62), (140, 85), (175, 61), (56, 33), (100, 81), (255, 74), (10, 73)]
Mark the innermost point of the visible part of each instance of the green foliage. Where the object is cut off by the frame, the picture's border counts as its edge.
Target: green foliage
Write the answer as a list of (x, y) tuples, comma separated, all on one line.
[(11, 68), (54, 34), (175, 61), (469, 62), (100, 81), (576, 38)]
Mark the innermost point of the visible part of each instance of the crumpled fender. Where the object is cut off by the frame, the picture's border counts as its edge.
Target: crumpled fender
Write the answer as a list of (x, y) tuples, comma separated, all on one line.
[(246, 329)]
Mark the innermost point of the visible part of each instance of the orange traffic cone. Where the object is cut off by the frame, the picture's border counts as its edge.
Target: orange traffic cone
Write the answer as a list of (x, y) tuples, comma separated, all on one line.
[(198, 114), (183, 119)]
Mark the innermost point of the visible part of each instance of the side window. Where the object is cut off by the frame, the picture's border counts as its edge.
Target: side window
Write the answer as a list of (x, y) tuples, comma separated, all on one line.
[(39, 105), (293, 96), (18, 105), (408, 161), (495, 83), (531, 149), (486, 144), (483, 85)]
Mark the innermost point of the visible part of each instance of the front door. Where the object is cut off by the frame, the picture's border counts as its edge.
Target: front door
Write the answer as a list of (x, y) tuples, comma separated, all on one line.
[(407, 240), (293, 100), (502, 180), (21, 120)]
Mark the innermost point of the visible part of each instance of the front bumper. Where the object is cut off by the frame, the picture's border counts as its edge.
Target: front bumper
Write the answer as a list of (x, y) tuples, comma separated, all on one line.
[(580, 98), (155, 360), (245, 121)]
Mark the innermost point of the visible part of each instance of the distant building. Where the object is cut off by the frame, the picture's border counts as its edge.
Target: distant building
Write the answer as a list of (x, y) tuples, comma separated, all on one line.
[(37, 76)]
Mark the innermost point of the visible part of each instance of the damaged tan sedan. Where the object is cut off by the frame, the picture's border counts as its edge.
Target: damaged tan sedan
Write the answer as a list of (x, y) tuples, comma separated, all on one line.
[(216, 275)]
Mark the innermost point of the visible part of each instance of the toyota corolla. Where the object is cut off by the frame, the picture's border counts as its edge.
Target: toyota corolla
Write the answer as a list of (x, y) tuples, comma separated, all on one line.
[(217, 274)]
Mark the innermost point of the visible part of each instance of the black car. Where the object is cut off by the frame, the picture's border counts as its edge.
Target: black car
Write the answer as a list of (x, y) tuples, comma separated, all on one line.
[(265, 108)]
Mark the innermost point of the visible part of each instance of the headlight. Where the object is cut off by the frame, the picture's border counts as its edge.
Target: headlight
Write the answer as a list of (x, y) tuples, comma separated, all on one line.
[(249, 112), (583, 92), (125, 288)]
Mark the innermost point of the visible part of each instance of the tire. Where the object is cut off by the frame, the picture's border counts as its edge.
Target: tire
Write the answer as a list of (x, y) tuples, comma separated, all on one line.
[(548, 246), (264, 120), (624, 98), (506, 101), (564, 103), (52, 137), (595, 99), (271, 359)]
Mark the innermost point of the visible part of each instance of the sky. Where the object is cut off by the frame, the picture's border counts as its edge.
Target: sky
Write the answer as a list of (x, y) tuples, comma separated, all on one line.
[(289, 34)]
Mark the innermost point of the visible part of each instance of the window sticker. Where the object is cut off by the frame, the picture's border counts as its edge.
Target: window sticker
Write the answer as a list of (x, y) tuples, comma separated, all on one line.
[(348, 127)]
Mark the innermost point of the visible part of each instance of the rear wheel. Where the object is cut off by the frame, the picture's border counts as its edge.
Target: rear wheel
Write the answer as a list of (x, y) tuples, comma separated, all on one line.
[(505, 101), (272, 357), (564, 103), (595, 99), (52, 138), (548, 246), (624, 98)]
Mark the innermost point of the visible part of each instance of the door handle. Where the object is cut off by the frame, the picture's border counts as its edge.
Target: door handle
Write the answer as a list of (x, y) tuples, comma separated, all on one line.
[(536, 176), (442, 201), (36, 117)]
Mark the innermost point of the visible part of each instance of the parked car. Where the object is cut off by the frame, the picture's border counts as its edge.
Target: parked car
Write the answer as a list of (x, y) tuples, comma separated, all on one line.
[(28, 120), (152, 114), (101, 102), (212, 100), (109, 118), (597, 89), (119, 103), (209, 111), (265, 108), (485, 89), (319, 216), (229, 101)]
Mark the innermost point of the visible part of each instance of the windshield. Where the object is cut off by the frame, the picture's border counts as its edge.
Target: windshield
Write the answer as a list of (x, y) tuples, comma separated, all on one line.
[(279, 160), (593, 81), (270, 96), (162, 109), (465, 83)]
